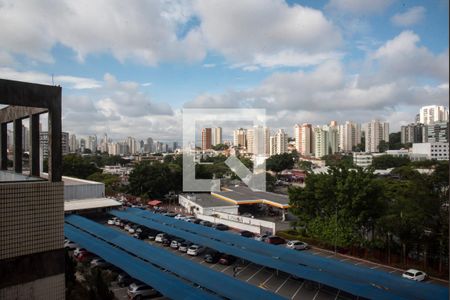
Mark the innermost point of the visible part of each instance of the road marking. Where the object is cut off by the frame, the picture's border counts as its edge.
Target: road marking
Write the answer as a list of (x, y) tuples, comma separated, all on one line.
[(345, 259), (226, 268), (329, 256), (316, 253), (202, 262), (299, 288), (337, 294), (243, 269), (317, 293), (282, 284), (374, 267), (212, 266), (255, 274), (268, 279), (392, 271), (357, 264)]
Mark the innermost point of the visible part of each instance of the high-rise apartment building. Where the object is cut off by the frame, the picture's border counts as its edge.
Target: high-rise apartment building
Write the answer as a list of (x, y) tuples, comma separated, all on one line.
[(44, 143), (437, 132), (303, 138), (31, 207), (320, 141), (132, 145), (240, 138), (73, 143), (91, 143), (216, 136), (206, 138), (375, 132), (349, 136), (258, 140), (433, 114), (412, 133), (278, 142)]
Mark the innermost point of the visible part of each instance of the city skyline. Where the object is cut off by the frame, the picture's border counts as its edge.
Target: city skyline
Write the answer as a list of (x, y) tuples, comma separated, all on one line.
[(327, 60)]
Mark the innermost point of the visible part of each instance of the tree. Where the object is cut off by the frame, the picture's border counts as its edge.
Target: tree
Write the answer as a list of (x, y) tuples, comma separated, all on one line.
[(220, 147), (112, 182), (345, 161), (305, 165), (154, 179), (76, 166), (383, 146), (388, 161), (395, 141), (280, 162), (270, 182)]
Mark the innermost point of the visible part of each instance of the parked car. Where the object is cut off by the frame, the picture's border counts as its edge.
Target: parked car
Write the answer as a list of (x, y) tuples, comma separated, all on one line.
[(117, 222), (123, 279), (220, 226), (206, 223), (297, 245), (247, 234), (160, 236), (174, 244), (78, 251), (70, 245), (140, 290), (84, 256), (414, 274), (133, 229), (195, 250), (170, 214), (184, 246), (99, 263), (196, 221), (212, 257), (151, 235), (261, 238), (127, 226), (166, 241), (179, 217), (140, 235), (275, 240), (189, 219), (227, 259), (111, 221)]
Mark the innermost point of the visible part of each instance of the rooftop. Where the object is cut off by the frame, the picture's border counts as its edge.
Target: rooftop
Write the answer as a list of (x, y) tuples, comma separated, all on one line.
[(81, 204), (207, 200), (244, 195)]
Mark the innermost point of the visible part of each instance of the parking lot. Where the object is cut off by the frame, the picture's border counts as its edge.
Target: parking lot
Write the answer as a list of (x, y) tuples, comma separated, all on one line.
[(278, 282)]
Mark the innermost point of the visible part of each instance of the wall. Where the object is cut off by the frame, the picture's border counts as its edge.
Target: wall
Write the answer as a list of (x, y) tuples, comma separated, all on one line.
[(251, 228)]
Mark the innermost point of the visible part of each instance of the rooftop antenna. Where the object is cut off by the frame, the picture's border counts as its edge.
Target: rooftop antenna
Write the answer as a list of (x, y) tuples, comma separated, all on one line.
[(53, 81)]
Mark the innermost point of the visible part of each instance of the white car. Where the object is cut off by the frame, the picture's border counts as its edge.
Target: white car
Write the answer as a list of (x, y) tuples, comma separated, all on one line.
[(78, 251), (414, 274), (195, 250), (117, 222), (70, 245), (159, 237), (297, 245), (189, 219), (139, 291), (127, 227), (111, 221), (99, 262)]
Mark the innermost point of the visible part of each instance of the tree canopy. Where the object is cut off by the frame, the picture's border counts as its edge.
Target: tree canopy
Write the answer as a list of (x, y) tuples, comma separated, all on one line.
[(280, 162)]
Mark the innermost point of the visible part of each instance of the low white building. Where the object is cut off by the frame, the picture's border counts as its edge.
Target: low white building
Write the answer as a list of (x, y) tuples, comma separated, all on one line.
[(361, 159), (205, 204), (438, 151)]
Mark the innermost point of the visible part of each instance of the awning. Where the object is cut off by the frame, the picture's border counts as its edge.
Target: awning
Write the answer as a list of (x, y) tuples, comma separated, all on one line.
[(154, 202)]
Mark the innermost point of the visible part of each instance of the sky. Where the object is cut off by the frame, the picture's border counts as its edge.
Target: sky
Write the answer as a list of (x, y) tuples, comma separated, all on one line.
[(128, 68)]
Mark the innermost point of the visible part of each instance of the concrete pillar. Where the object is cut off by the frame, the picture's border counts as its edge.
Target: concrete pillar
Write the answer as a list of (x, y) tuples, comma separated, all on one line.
[(34, 146), (17, 145), (3, 146)]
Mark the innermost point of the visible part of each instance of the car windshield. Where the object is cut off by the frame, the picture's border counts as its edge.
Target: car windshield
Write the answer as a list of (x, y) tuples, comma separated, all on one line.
[(409, 274)]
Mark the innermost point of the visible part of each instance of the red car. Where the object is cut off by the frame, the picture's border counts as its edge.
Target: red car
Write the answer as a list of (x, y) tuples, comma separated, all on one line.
[(227, 259), (275, 240), (84, 256)]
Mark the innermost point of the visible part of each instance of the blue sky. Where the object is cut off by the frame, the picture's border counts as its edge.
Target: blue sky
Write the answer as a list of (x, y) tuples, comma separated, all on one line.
[(129, 68)]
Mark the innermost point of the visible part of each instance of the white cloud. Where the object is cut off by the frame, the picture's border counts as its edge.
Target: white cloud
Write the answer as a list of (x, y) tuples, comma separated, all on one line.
[(267, 33), (140, 31), (359, 6), (209, 65), (402, 57), (410, 17)]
